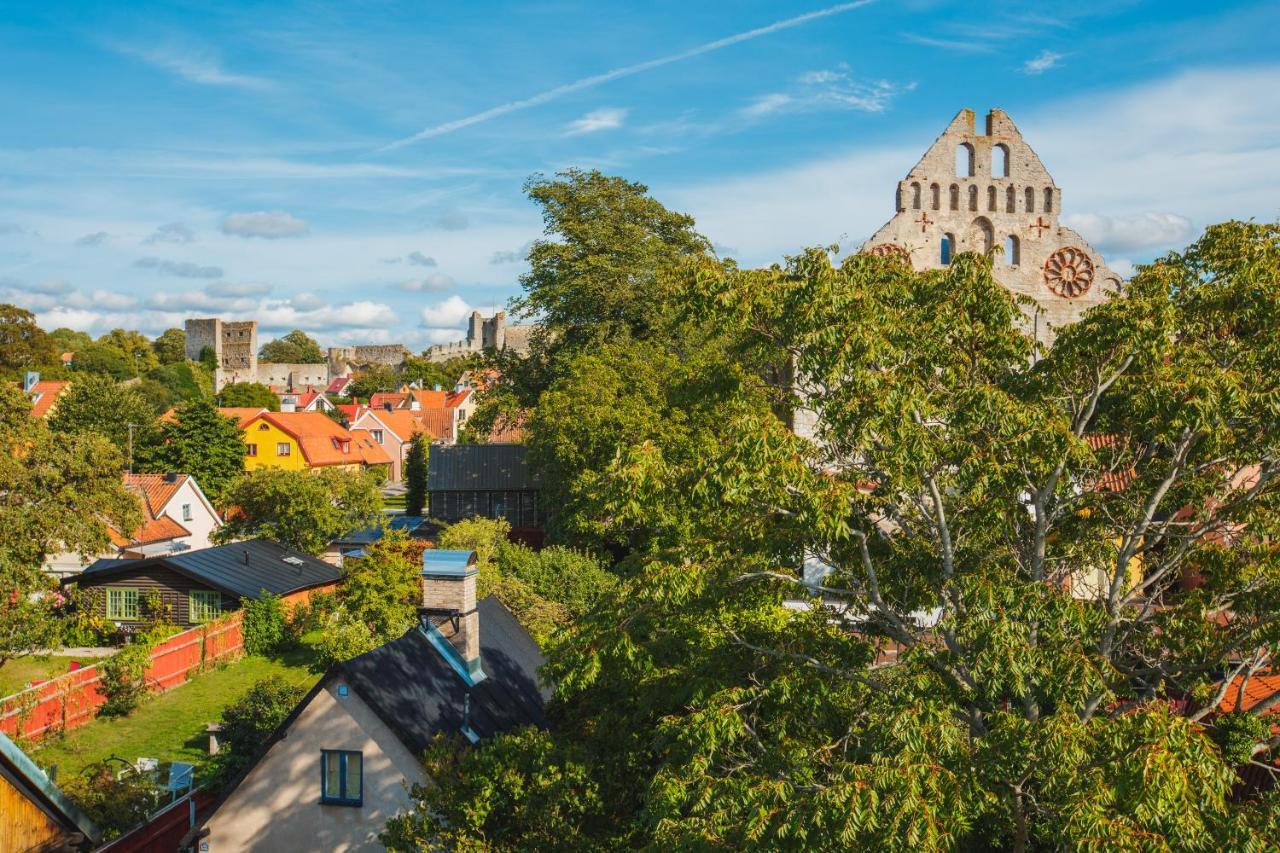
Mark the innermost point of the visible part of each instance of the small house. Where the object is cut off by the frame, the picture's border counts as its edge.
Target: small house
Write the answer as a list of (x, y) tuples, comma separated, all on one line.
[(341, 764), (197, 586), (485, 480), (34, 814)]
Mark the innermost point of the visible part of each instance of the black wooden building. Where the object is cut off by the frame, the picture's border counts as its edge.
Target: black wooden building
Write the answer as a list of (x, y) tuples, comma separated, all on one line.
[(485, 480)]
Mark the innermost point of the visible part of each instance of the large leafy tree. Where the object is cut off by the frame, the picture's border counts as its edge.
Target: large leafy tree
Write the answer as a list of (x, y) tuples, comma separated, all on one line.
[(59, 490), (248, 395), (23, 344), (373, 379), (1050, 575), (205, 444), (383, 589), (117, 411), (297, 347), (171, 346), (301, 509), (138, 351)]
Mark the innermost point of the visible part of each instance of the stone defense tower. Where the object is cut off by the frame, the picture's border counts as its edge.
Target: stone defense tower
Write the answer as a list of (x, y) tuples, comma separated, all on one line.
[(235, 348), (976, 192)]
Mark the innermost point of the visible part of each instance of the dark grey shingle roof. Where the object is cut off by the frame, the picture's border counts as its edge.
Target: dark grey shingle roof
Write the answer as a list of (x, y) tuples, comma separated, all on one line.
[(417, 693), (241, 568), (468, 467)]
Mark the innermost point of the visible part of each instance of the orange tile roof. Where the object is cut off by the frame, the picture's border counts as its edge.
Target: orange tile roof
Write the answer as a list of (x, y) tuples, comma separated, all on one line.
[(382, 399), (44, 394), (403, 422), (153, 492), (438, 423), (454, 399), (156, 489), (242, 414), (371, 453), (1259, 688), (152, 530), (323, 440), (429, 398)]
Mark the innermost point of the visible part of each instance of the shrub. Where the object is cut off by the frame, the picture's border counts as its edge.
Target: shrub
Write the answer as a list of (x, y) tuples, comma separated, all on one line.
[(124, 678), (572, 578), (115, 805), (248, 721), (485, 536), (383, 588), (263, 625), (344, 637)]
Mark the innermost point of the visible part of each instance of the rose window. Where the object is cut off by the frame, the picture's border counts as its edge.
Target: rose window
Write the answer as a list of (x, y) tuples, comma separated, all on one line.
[(1069, 272)]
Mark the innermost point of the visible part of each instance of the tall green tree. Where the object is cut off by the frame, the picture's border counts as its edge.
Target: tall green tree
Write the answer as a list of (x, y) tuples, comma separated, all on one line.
[(297, 347), (203, 443), (415, 476), (171, 346), (251, 395), (103, 359), (383, 589), (372, 380), (138, 352), (184, 381), (117, 411), (301, 509), (23, 345), (61, 490), (1049, 573)]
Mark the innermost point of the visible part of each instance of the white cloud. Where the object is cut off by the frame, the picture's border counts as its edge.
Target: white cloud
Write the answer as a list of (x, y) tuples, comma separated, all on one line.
[(191, 64), (766, 104), (51, 286), (111, 300), (420, 260), (181, 269), (1131, 233), (172, 232), (625, 71), (447, 314), (289, 314), (269, 225), (433, 283), (828, 89), (95, 239), (607, 118), (1042, 63)]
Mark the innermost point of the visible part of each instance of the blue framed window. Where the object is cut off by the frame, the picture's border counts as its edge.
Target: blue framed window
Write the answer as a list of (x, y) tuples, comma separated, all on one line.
[(341, 777)]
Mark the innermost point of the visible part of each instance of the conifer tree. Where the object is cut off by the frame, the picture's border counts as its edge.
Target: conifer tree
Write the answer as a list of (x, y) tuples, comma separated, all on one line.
[(415, 476)]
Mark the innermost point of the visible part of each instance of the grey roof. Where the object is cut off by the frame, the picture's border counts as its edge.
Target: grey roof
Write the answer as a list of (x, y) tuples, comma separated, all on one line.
[(479, 467), (418, 693), (241, 568), (368, 535)]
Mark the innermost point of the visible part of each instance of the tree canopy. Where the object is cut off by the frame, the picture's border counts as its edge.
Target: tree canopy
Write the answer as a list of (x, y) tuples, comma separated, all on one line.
[(171, 346), (23, 345), (119, 412), (297, 347), (301, 509), (205, 444), (251, 395), (1037, 581)]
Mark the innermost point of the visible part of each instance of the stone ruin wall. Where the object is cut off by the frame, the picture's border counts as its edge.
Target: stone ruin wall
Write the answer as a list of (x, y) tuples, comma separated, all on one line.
[(295, 376)]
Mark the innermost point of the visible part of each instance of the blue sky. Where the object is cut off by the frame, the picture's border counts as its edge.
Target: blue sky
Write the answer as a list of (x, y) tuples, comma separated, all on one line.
[(355, 168)]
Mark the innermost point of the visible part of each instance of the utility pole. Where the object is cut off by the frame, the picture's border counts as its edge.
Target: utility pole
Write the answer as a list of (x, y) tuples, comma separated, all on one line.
[(130, 425)]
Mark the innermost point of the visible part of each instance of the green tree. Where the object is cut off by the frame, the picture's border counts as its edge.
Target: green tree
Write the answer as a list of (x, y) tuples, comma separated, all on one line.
[(250, 395), (301, 509), (248, 722), (415, 476), (103, 359), (159, 398), (117, 411), (115, 804), (184, 381), (23, 344), (372, 380), (68, 340), (297, 347), (432, 373), (138, 352), (171, 346), (383, 589), (1004, 655), (205, 444)]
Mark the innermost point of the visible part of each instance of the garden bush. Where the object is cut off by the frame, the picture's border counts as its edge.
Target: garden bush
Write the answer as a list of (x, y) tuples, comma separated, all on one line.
[(263, 625), (124, 678)]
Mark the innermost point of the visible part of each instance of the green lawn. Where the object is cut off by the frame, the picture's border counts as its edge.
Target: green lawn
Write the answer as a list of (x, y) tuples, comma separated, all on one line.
[(16, 674), (171, 727), (393, 501)]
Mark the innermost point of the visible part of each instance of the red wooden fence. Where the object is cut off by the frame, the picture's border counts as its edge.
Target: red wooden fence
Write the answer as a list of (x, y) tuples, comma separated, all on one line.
[(73, 699)]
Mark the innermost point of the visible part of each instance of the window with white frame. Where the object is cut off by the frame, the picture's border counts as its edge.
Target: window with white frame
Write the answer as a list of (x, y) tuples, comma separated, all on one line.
[(283, 448)]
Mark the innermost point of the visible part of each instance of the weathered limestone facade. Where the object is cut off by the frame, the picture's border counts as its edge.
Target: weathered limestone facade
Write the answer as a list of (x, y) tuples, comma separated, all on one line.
[(482, 334), (234, 344), (975, 191)]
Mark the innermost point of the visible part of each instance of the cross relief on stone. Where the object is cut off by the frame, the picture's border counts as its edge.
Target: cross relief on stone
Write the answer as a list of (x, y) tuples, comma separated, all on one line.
[(1040, 225), (924, 221)]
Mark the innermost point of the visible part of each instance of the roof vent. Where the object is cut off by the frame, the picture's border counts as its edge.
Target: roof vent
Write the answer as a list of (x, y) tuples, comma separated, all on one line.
[(295, 561), (171, 477)]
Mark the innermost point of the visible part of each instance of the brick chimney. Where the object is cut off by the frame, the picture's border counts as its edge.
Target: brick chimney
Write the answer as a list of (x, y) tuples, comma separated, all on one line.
[(449, 604)]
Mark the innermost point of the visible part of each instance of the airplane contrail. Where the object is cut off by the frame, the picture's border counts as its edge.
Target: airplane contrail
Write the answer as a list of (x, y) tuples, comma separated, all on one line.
[(626, 71)]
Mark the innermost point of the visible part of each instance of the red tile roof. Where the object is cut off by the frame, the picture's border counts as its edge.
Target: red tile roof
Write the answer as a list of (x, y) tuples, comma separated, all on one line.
[(338, 385), (156, 489), (382, 399), (438, 423), (1259, 688), (153, 492), (44, 394), (242, 414)]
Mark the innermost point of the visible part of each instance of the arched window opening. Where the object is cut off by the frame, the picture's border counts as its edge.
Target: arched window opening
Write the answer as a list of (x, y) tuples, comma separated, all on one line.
[(1048, 199), (898, 198), (973, 198), (984, 234), (948, 248), (964, 160), (1011, 251), (955, 197), (991, 198), (1031, 200), (1000, 161), (935, 194), (1010, 201), (915, 196)]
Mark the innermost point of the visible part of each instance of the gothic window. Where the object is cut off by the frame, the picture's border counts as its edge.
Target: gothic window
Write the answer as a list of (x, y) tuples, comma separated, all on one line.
[(936, 195), (1012, 251), (948, 248), (955, 197), (964, 160), (991, 198), (1010, 201), (1000, 161), (973, 198), (1048, 199), (915, 195), (983, 234), (1031, 200)]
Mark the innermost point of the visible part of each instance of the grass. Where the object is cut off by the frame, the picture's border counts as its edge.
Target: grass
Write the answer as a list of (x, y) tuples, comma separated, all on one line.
[(171, 727), (393, 501), (18, 673)]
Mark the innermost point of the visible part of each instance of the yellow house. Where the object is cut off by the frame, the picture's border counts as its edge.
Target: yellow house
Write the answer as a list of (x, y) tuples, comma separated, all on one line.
[(301, 441)]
